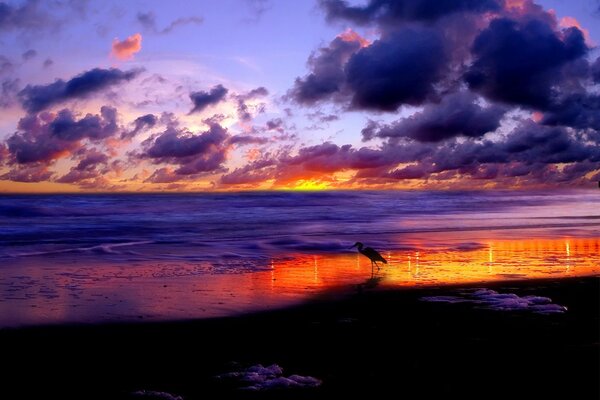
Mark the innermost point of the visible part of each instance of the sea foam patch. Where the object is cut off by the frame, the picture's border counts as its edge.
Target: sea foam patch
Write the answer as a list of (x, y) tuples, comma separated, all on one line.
[(490, 299), (258, 377), (155, 395)]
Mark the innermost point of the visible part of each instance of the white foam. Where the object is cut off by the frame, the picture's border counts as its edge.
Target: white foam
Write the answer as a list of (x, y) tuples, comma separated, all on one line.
[(259, 377), (490, 299), (152, 394)]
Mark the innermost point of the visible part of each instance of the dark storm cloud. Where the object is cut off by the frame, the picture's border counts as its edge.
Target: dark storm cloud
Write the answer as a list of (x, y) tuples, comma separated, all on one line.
[(203, 99), (596, 70), (400, 68), (579, 111), (193, 153), (327, 76), (456, 115), (148, 21), (521, 62), (93, 127), (141, 124), (531, 142), (392, 12), (38, 97)]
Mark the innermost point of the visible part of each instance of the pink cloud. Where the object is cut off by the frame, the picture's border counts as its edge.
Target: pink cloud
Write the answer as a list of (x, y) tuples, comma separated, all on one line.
[(570, 22), (351, 36), (124, 50)]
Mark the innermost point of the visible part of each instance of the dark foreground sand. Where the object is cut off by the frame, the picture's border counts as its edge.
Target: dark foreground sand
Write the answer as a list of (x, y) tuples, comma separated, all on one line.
[(372, 344)]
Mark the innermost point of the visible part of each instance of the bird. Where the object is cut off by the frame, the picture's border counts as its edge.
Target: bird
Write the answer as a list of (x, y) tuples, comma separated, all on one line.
[(370, 253)]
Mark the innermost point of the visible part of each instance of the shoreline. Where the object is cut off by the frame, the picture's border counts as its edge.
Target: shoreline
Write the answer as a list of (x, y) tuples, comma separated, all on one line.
[(367, 342), (333, 294)]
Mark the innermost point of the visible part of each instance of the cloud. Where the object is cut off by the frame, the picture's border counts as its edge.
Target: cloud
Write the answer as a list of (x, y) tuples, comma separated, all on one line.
[(327, 76), (253, 173), (33, 142), (458, 114), (399, 68), (394, 12), (8, 92), (87, 167), (93, 127), (28, 173), (26, 16), (35, 98), (242, 140), (45, 137), (257, 9), (148, 21), (125, 50), (193, 153), (48, 63), (522, 62), (528, 155), (203, 99), (6, 65), (580, 110), (596, 70), (244, 112), (141, 124), (28, 55)]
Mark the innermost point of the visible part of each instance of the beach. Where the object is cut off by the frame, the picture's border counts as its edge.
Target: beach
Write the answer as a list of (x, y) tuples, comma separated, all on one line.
[(483, 295), (369, 342)]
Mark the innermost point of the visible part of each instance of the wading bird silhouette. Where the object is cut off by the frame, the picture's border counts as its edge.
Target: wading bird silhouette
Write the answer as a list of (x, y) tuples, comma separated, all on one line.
[(371, 254)]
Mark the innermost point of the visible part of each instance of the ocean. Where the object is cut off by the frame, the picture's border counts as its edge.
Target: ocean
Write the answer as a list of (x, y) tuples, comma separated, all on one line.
[(101, 257)]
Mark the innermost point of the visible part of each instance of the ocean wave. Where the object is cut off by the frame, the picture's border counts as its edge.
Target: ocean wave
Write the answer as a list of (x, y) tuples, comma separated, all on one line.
[(261, 225), (104, 248)]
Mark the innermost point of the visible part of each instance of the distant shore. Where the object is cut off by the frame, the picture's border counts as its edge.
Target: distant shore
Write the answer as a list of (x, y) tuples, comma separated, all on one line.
[(373, 343)]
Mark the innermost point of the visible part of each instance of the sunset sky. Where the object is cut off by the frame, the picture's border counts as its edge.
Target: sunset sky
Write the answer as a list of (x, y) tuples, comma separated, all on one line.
[(265, 94)]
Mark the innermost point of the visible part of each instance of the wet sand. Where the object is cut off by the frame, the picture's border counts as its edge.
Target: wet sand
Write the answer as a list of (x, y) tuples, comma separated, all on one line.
[(370, 343), (87, 290)]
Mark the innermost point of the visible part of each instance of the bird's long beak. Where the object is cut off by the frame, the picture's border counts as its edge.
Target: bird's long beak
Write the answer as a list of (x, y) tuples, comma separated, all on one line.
[(353, 246)]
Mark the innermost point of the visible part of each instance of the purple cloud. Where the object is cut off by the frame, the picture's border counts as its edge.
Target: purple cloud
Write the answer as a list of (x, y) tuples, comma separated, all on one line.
[(141, 124), (522, 62), (394, 12), (458, 114), (203, 99), (148, 21), (39, 97), (192, 153)]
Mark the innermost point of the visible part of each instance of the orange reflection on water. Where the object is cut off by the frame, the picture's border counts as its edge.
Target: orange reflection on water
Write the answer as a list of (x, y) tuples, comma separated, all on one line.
[(70, 292), (497, 260)]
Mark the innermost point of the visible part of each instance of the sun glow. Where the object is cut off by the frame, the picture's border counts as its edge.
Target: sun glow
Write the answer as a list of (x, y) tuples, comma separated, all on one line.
[(310, 185)]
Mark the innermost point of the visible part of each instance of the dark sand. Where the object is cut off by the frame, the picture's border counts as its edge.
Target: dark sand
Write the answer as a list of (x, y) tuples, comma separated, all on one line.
[(372, 344)]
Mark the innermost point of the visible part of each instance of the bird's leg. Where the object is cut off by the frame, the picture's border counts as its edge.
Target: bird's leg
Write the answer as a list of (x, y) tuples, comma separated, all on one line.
[(377, 265)]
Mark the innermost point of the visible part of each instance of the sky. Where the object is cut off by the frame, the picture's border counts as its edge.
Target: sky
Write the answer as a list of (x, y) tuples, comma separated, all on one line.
[(326, 94)]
